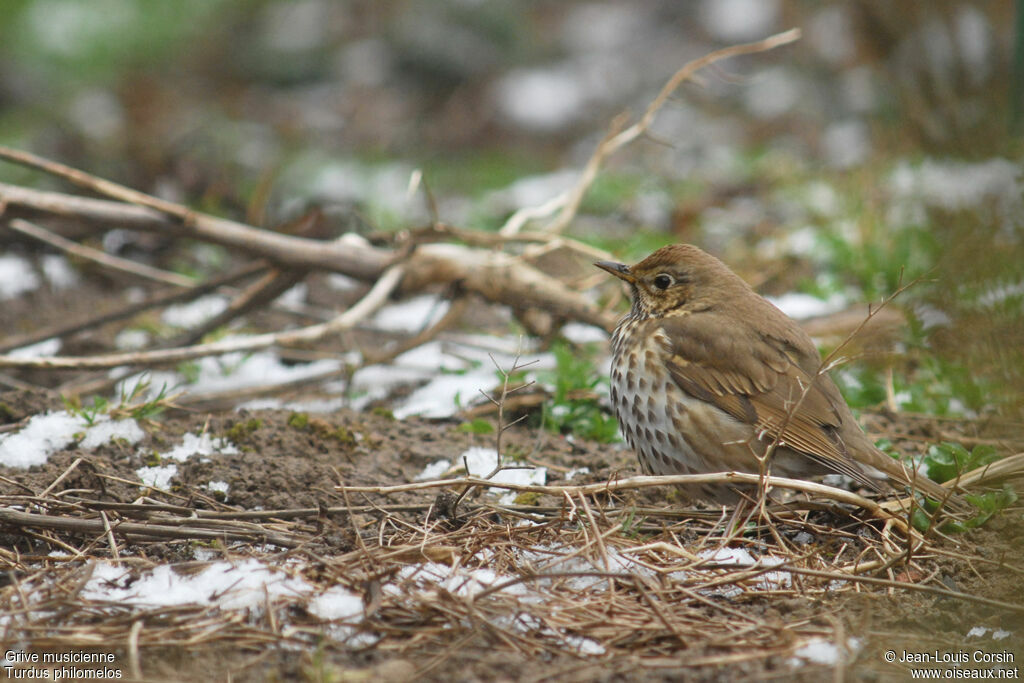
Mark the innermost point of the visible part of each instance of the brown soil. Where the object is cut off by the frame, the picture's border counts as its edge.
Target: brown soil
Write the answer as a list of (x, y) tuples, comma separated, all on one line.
[(285, 463)]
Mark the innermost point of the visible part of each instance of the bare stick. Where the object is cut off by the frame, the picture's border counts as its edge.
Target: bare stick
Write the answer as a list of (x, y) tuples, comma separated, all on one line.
[(569, 201), (357, 260), (106, 260), (728, 478), (373, 300), (160, 299)]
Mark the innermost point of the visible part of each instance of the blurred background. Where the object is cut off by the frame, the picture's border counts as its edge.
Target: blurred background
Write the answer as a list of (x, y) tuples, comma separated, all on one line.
[(878, 149)]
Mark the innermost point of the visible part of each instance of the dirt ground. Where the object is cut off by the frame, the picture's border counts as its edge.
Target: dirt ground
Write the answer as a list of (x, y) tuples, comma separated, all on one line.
[(287, 463)]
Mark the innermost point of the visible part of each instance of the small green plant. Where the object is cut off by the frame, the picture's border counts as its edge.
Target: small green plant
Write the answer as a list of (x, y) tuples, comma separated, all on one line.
[(241, 431), (477, 426), (298, 420), (100, 406), (130, 404), (573, 409), (947, 461), (630, 524)]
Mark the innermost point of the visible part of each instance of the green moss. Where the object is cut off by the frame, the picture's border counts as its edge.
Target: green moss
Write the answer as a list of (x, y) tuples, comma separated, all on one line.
[(341, 435), (7, 413), (381, 411), (241, 431), (528, 498), (298, 420)]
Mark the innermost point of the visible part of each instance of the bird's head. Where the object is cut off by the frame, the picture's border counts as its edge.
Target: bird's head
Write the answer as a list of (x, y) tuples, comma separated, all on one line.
[(674, 280)]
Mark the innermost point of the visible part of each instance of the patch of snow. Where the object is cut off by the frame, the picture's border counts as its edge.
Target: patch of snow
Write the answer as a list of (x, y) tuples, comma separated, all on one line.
[(821, 198), (295, 27), (742, 557), (232, 371), (441, 396), (98, 113), (221, 486), (342, 283), (1000, 293), (584, 646), (59, 273), (830, 34), (107, 430), (158, 477), (202, 445), (294, 296), (821, 651), (955, 185), (997, 633), (194, 313), (531, 191), (799, 305), (575, 471), (335, 603), (47, 347), (16, 276), (735, 21), (230, 586), (48, 433), (579, 333), (543, 99), (846, 143), (131, 340), (434, 470), (772, 92), (973, 35), (412, 315), (43, 435)]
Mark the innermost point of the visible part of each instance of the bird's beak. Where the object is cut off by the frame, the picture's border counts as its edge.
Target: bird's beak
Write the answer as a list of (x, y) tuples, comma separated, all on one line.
[(619, 270)]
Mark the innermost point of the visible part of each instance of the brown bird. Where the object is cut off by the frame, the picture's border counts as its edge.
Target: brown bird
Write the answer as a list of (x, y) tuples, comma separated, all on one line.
[(707, 375)]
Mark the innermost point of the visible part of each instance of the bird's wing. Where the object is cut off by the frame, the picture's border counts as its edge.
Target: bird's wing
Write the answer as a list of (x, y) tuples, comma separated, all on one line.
[(760, 381)]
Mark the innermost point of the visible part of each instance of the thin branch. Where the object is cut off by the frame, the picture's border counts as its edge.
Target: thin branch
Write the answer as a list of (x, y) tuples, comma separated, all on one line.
[(373, 300)]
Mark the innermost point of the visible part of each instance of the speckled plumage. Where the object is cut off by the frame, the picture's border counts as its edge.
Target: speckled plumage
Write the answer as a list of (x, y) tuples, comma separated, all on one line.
[(706, 375)]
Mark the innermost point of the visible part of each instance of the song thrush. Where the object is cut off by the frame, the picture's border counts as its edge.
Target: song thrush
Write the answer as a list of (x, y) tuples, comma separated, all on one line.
[(707, 375)]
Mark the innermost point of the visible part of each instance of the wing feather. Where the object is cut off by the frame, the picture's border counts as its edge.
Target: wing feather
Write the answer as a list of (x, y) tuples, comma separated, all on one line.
[(762, 382)]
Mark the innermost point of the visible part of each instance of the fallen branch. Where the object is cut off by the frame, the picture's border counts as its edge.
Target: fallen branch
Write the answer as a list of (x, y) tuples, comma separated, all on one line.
[(373, 300), (726, 478), (99, 526)]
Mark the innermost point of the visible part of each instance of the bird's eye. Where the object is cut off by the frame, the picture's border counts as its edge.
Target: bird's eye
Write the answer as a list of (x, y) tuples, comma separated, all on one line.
[(663, 281)]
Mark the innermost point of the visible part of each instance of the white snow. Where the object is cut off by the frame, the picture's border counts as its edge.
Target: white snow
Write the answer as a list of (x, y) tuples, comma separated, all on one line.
[(232, 586), (742, 557), (16, 276), (59, 273), (47, 347), (479, 463), (221, 486), (158, 476), (434, 470), (579, 333), (412, 315), (337, 602), (107, 430), (204, 444), (194, 313), (799, 305), (736, 21), (846, 143), (997, 633), (50, 432), (543, 99), (955, 185), (822, 651), (131, 339)]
